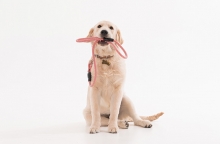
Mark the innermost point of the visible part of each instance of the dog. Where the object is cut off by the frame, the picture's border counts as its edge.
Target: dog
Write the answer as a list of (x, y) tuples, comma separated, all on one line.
[(107, 105)]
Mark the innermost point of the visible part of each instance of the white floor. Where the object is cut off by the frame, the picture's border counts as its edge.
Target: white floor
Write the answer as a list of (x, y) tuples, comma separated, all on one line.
[(76, 133), (167, 130)]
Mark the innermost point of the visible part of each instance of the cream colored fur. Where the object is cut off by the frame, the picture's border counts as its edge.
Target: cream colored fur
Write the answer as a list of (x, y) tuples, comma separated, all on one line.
[(107, 96)]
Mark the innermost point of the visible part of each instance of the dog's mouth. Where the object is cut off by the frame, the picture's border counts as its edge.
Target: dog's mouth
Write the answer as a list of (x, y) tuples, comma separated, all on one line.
[(105, 41), (102, 43)]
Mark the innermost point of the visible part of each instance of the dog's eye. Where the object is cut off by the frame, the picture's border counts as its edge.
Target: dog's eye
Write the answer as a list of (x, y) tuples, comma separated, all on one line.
[(99, 26), (111, 27)]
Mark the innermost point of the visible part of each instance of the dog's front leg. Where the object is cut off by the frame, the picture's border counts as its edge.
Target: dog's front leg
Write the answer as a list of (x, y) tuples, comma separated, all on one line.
[(114, 110), (95, 111)]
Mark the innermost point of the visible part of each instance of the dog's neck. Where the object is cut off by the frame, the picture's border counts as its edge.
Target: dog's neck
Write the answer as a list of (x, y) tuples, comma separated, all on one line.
[(114, 65), (106, 57), (103, 51)]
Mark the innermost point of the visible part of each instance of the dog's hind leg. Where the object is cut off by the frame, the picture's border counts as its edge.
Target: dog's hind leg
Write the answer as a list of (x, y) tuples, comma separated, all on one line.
[(127, 110)]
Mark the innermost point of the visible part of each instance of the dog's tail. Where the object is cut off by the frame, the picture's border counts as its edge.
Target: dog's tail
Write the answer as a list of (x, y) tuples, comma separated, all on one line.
[(153, 117), (150, 118)]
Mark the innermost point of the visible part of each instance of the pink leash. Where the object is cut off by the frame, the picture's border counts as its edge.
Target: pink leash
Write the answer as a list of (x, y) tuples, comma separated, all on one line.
[(96, 39)]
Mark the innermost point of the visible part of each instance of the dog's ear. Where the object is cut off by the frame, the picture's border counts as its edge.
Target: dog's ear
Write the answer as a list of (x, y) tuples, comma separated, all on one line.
[(90, 33), (119, 38)]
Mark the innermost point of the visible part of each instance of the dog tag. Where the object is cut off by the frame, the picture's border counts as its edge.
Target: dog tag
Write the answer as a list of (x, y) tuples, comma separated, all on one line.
[(106, 62)]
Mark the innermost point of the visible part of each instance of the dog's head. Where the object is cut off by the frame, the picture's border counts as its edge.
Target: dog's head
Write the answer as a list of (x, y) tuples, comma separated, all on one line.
[(105, 29)]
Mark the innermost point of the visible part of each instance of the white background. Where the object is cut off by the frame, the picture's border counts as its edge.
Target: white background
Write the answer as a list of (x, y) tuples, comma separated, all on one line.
[(173, 66)]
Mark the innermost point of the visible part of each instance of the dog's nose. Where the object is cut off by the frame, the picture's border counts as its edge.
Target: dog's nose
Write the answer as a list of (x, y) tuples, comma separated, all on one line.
[(104, 32)]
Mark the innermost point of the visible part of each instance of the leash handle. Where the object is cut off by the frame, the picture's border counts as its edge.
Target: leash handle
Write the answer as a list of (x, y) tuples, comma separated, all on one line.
[(90, 39)]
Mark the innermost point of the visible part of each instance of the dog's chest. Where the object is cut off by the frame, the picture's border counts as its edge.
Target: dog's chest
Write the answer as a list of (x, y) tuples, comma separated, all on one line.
[(105, 105), (109, 76)]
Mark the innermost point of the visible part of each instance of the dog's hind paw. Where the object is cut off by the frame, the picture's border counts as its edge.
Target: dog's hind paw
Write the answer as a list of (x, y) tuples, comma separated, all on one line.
[(148, 126), (123, 124), (143, 123)]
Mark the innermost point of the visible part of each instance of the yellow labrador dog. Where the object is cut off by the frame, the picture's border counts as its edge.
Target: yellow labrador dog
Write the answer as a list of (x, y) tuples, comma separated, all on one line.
[(107, 105)]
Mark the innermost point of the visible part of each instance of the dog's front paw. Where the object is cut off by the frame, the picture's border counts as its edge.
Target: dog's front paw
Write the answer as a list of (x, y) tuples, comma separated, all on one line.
[(113, 129), (93, 129), (123, 124)]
